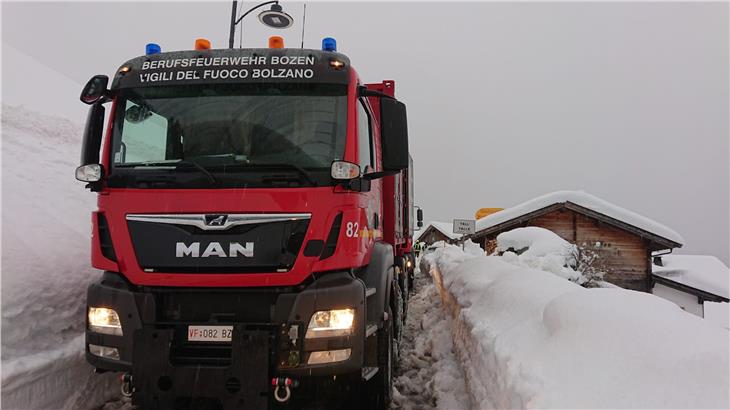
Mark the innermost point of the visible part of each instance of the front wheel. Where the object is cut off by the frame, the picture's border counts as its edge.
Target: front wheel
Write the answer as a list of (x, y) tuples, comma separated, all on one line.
[(380, 388)]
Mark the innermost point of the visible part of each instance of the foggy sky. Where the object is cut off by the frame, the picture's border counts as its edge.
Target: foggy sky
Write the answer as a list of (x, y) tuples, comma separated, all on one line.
[(506, 101)]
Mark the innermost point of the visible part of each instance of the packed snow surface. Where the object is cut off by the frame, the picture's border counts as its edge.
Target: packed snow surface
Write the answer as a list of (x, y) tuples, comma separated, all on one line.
[(701, 272), (429, 376), (585, 200), (527, 338), (46, 222)]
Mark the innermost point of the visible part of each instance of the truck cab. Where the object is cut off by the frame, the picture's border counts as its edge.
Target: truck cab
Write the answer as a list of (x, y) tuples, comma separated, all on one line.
[(253, 226)]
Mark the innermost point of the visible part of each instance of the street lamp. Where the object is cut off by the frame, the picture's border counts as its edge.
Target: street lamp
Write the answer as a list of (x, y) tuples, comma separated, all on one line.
[(274, 17)]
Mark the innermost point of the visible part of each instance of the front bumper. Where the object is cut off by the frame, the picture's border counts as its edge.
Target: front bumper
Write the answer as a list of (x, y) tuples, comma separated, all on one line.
[(268, 338)]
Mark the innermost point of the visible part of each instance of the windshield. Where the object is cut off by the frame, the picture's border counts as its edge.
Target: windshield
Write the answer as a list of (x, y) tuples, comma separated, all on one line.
[(229, 135)]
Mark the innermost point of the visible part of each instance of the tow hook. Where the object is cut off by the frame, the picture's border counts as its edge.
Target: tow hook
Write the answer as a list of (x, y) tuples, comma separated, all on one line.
[(127, 388), (285, 384)]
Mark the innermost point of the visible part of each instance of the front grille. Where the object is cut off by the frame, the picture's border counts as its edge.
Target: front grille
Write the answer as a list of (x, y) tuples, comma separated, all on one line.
[(105, 238), (213, 305), (182, 244)]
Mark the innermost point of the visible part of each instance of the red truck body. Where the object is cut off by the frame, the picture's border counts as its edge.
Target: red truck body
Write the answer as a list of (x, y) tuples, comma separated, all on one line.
[(327, 245)]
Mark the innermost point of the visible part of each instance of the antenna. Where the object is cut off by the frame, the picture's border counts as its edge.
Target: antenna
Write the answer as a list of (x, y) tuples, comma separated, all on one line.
[(304, 22)]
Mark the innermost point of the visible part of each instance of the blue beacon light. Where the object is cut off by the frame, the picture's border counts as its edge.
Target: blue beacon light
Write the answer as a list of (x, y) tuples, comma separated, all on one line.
[(329, 44), (152, 48)]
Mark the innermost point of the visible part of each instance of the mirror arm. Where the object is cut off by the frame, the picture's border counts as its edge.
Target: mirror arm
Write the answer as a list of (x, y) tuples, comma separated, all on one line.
[(376, 175), (363, 91), (108, 96)]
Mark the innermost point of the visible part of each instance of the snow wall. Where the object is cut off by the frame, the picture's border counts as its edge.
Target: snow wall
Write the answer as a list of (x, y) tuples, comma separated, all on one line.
[(46, 268), (527, 338)]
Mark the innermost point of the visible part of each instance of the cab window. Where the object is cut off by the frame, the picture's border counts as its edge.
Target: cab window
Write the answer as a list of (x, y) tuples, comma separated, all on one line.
[(364, 139)]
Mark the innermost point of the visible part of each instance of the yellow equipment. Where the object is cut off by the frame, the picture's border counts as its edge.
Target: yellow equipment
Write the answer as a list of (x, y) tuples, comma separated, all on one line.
[(486, 211)]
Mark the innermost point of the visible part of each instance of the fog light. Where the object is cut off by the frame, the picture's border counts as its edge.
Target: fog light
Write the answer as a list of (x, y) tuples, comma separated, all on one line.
[(330, 323), (104, 351), (104, 320), (329, 356)]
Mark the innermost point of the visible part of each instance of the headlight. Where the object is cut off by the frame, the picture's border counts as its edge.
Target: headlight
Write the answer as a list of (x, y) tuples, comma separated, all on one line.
[(104, 320), (329, 323)]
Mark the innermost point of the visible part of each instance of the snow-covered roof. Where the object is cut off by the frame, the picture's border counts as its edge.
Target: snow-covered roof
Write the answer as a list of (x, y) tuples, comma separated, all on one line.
[(445, 228), (706, 273), (584, 200)]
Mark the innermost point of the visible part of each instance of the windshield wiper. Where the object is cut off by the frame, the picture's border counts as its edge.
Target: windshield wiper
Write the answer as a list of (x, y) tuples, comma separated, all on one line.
[(175, 164), (274, 166)]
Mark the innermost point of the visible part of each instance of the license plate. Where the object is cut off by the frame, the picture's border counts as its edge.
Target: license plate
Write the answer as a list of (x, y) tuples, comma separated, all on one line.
[(210, 333)]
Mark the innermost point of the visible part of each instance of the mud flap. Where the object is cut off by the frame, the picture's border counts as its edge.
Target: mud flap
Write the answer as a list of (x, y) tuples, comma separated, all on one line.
[(159, 384)]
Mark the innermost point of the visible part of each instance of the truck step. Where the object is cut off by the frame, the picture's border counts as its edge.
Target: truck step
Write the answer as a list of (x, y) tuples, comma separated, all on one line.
[(371, 329), (369, 372), (370, 292)]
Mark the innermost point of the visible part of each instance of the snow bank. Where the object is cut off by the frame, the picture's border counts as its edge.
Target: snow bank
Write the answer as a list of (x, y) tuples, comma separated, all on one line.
[(585, 200), (45, 264), (717, 313), (539, 248), (530, 339), (701, 272)]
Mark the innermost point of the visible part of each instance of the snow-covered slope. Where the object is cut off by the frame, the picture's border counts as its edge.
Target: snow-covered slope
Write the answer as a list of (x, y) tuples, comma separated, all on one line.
[(530, 339), (45, 264), (29, 83)]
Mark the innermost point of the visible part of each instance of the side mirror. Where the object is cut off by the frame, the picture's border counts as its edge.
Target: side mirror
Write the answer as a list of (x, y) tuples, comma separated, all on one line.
[(94, 89), (394, 134), (419, 217), (137, 114)]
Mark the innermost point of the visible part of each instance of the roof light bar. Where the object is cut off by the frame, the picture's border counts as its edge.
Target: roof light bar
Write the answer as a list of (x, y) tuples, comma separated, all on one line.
[(152, 48), (329, 44)]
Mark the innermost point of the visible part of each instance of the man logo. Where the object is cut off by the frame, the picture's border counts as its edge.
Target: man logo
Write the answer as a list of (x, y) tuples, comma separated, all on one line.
[(215, 220), (214, 249)]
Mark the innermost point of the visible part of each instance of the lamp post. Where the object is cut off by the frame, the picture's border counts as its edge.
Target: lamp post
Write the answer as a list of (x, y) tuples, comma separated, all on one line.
[(274, 17)]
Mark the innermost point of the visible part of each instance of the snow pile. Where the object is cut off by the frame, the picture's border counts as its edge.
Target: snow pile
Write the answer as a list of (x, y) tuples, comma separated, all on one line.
[(584, 200), (701, 272), (46, 222), (429, 375), (529, 339), (539, 248), (717, 313)]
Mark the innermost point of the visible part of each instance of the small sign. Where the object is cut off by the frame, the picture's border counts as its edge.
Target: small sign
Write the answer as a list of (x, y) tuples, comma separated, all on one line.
[(464, 226)]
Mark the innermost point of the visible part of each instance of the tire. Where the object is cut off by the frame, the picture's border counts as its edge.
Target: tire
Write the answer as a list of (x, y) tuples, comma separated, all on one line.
[(379, 390)]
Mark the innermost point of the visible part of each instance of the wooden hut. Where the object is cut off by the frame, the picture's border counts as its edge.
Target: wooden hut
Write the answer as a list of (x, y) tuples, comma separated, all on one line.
[(623, 240), (438, 231)]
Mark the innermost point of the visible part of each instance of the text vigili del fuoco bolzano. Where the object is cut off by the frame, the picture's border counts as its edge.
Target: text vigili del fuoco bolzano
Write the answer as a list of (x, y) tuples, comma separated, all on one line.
[(238, 67)]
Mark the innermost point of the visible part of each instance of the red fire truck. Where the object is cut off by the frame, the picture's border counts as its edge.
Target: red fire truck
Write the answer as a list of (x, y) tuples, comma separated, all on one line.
[(254, 227)]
